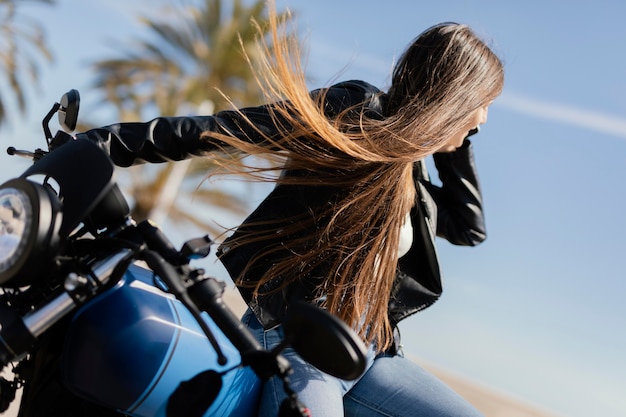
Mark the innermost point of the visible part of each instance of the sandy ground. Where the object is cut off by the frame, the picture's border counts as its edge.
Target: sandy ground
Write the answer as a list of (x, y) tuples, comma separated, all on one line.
[(489, 402)]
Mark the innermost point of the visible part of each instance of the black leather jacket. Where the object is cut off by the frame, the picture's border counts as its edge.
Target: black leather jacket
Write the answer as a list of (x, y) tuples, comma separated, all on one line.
[(452, 211)]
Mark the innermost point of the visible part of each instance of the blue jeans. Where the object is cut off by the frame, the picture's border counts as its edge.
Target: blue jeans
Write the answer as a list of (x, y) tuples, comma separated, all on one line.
[(391, 386)]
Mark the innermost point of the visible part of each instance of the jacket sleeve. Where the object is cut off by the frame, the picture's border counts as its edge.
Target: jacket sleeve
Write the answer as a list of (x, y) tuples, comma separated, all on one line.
[(460, 216), (177, 138)]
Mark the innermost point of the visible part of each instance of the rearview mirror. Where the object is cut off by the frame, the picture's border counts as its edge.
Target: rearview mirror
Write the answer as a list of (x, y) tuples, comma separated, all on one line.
[(68, 112), (324, 341)]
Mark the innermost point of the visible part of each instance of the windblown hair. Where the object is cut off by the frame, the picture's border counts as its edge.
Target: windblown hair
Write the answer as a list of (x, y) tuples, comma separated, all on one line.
[(444, 75)]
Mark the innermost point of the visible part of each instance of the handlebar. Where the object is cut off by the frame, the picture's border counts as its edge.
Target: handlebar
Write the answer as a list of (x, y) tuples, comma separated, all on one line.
[(18, 334), (38, 154), (42, 319)]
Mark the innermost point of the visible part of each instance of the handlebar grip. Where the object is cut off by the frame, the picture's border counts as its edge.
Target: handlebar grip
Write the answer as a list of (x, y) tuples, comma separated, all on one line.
[(156, 240), (207, 295)]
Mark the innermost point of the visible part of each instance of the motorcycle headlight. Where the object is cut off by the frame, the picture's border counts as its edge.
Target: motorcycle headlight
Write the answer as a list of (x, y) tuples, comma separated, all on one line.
[(28, 231), (16, 213)]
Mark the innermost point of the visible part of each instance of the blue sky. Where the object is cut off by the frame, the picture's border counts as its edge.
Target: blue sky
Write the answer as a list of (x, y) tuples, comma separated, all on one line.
[(538, 310)]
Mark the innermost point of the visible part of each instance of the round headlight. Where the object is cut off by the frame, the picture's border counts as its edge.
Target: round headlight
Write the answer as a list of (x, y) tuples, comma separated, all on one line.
[(16, 222), (29, 224)]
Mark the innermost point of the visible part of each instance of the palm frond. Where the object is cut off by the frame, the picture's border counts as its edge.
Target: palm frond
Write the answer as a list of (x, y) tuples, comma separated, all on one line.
[(23, 47), (180, 63)]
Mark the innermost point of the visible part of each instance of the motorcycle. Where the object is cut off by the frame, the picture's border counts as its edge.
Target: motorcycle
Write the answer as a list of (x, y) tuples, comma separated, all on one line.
[(102, 315)]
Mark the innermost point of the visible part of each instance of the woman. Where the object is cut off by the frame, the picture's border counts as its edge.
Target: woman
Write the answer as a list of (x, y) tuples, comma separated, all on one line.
[(351, 223)]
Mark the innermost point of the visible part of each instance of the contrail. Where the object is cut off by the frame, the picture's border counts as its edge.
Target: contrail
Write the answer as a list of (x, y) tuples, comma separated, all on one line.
[(589, 119)]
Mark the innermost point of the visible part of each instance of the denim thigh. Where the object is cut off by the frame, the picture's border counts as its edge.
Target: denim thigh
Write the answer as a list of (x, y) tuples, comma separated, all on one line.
[(391, 386), (321, 393), (397, 387)]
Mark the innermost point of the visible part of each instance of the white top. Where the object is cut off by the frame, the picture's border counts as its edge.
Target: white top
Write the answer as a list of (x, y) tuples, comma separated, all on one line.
[(406, 237)]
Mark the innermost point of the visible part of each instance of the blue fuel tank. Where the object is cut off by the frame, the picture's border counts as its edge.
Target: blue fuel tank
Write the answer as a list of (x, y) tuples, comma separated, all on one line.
[(130, 348)]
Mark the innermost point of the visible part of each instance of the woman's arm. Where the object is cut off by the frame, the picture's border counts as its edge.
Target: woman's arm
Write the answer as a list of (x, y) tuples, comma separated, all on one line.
[(176, 138), (460, 217)]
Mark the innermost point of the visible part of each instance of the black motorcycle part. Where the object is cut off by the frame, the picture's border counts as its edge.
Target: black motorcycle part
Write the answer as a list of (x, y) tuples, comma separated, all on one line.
[(207, 295), (291, 407), (197, 248), (41, 242), (68, 110), (193, 398), (328, 343), (84, 174), (15, 338), (157, 241), (7, 394)]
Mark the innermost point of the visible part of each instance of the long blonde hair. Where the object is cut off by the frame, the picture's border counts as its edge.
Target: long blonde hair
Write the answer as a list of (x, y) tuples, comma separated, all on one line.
[(443, 76)]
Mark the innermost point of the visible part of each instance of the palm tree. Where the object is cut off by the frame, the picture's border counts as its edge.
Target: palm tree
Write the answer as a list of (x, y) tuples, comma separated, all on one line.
[(187, 57), (22, 46)]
